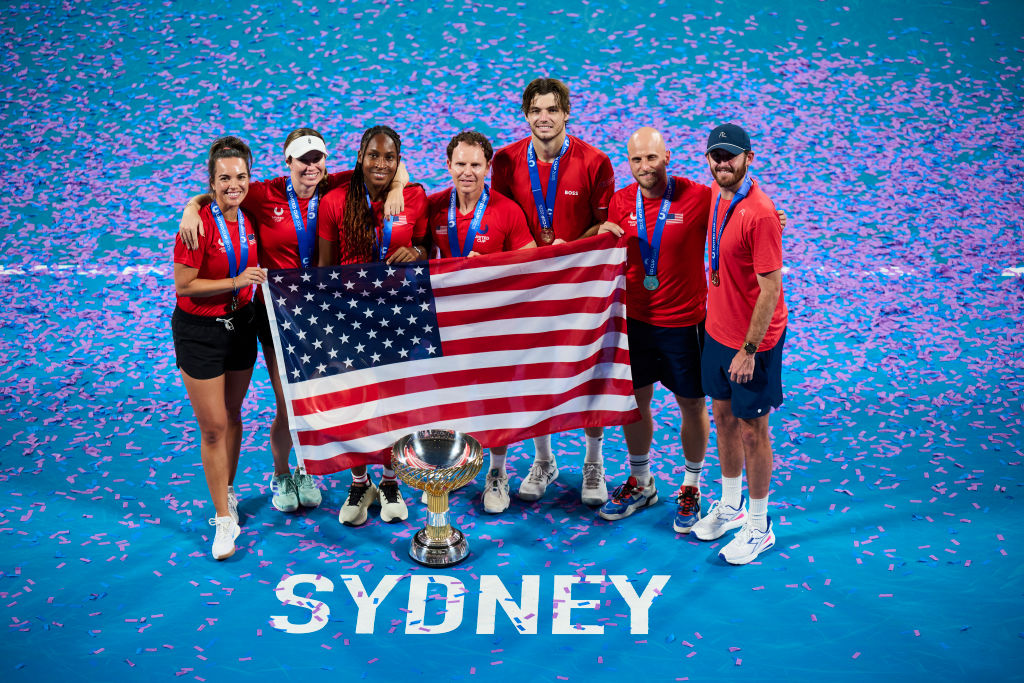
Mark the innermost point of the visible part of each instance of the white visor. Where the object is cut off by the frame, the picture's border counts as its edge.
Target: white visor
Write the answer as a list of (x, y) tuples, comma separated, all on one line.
[(304, 145)]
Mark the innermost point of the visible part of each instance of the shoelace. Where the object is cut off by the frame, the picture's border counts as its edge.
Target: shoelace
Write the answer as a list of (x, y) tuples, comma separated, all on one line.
[(356, 492), (536, 474), (390, 491), (591, 476), (626, 491), (687, 502)]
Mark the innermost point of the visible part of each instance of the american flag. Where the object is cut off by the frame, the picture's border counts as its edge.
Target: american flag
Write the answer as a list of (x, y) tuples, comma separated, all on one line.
[(503, 346)]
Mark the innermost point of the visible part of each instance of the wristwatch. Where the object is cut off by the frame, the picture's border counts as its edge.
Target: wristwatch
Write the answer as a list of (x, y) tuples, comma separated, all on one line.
[(750, 347)]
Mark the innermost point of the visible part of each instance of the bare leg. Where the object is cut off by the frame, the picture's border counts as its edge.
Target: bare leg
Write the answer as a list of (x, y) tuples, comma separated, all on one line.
[(280, 436)]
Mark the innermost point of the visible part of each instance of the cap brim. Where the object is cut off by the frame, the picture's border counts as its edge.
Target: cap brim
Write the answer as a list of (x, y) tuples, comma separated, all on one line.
[(735, 149)]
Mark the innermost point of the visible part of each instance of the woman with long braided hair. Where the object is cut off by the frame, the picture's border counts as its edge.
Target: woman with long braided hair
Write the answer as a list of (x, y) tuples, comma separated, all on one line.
[(353, 229)]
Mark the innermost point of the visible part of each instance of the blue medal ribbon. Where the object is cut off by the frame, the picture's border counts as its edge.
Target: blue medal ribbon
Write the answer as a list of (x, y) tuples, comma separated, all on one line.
[(382, 245), (474, 227), (545, 205), (234, 268), (304, 232), (651, 249), (716, 232)]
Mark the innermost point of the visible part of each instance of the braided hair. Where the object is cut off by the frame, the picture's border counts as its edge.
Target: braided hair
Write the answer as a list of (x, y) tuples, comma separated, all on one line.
[(358, 230)]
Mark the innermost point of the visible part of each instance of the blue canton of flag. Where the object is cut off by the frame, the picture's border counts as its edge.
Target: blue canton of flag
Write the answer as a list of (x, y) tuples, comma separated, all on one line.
[(370, 315)]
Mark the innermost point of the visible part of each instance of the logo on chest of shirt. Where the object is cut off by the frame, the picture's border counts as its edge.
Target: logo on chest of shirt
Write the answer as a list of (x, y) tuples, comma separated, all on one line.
[(278, 214), (573, 193)]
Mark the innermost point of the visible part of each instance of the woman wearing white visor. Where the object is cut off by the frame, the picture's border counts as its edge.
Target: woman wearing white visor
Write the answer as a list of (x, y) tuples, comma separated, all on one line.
[(286, 210)]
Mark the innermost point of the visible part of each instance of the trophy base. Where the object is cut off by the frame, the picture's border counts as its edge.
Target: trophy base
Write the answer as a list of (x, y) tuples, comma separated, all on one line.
[(445, 553)]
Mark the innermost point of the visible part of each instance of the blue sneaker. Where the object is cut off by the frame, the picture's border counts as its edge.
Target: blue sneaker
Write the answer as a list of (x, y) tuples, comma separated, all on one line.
[(687, 509), (628, 498), (748, 544)]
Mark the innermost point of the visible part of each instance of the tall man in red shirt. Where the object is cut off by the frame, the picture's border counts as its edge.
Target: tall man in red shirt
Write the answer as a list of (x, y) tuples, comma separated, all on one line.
[(563, 186), (664, 219), (741, 364)]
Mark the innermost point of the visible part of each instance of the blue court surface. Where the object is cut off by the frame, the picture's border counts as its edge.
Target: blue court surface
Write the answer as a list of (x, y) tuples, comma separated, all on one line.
[(890, 132)]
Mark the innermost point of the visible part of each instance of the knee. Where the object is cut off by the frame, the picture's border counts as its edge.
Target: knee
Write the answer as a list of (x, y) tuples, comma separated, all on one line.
[(752, 433), (212, 431)]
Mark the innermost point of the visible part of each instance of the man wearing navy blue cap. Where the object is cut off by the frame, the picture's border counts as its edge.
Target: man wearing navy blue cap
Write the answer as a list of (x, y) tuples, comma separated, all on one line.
[(741, 365)]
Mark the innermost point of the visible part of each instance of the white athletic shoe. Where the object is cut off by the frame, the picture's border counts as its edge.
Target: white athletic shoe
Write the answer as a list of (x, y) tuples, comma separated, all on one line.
[(748, 544), (595, 488), (542, 473), (720, 518), (224, 539), (233, 504), (360, 497), (392, 505), (496, 491)]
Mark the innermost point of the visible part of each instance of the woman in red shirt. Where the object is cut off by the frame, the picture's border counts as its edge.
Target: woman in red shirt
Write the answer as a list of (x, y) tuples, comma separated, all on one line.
[(214, 327), (353, 229), (287, 239)]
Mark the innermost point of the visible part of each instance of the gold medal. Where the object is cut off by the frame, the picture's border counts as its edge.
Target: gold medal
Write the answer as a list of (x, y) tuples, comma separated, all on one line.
[(714, 278), (547, 235)]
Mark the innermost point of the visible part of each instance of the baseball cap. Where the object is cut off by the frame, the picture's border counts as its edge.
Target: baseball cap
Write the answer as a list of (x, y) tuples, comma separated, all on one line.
[(304, 145), (729, 137)]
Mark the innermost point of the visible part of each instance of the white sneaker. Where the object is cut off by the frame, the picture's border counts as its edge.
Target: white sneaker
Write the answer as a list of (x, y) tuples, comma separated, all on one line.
[(542, 473), (360, 497), (233, 504), (748, 544), (224, 539), (392, 505), (495, 496), (595, 489), (720, 518)]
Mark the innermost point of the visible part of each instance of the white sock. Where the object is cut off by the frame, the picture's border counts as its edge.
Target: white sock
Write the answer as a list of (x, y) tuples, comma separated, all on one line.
[(759, 513), (498, 461), (693, 470), (640, 467), (732, 491), (542, 444), (360, 479), (594, 450), (389, 474)]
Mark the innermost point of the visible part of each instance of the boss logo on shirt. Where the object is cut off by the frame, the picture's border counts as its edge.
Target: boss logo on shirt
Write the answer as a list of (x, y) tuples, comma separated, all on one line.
[(573, 193)]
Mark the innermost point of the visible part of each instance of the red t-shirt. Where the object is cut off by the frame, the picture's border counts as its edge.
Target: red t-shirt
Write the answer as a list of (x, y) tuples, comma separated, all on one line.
[(681, 295), (408, 228), (750, 244), (267, 204), (211, 259), (503, 227), (585, 186)]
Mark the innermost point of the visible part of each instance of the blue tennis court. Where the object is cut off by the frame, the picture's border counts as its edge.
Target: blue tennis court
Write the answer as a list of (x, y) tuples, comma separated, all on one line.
[(888, 132)]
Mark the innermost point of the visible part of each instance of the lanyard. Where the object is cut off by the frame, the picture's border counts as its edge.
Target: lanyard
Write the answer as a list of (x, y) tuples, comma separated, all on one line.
[(303, 232), (382, 246), (650, 250), (229, 250), (716, 233), (474, 227), (545, 205)]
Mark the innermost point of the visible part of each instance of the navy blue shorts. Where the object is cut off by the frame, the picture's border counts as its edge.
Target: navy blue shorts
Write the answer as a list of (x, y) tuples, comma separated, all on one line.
[(670, 355), (757, 397)]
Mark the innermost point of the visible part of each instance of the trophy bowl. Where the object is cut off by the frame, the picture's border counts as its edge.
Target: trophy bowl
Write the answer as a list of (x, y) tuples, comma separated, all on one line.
[(437, 461)]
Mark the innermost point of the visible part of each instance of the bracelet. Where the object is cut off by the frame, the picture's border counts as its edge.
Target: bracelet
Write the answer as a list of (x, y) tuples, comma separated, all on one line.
[(233, 288)]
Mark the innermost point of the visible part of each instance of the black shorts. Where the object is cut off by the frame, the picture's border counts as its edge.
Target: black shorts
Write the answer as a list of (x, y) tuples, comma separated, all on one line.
[(757, 397), (205, 347), (263, 324), (670, 355)]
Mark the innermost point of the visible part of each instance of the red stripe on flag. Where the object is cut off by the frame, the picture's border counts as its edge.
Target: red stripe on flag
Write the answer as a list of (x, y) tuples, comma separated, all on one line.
[(534, 340), (526, 309)]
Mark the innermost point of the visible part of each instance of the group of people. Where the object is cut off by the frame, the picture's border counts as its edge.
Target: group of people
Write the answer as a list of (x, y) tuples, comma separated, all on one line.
[(716, 333)]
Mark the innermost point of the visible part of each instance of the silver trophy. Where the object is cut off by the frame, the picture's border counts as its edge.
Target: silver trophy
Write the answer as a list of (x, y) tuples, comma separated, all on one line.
[(437, 461)]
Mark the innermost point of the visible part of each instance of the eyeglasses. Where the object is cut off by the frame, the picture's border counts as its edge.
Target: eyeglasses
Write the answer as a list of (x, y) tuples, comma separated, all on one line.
[(719, 155)]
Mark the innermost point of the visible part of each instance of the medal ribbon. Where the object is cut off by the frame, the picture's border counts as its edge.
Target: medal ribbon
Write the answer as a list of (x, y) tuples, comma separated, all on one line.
[(304, 232), (474, 227), (381, 246), (716, 233), (545, 205), (229, 249), (649, 250)]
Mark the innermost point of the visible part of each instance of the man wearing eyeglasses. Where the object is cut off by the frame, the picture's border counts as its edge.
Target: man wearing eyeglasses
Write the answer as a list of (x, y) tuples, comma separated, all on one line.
[(741, 364)]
